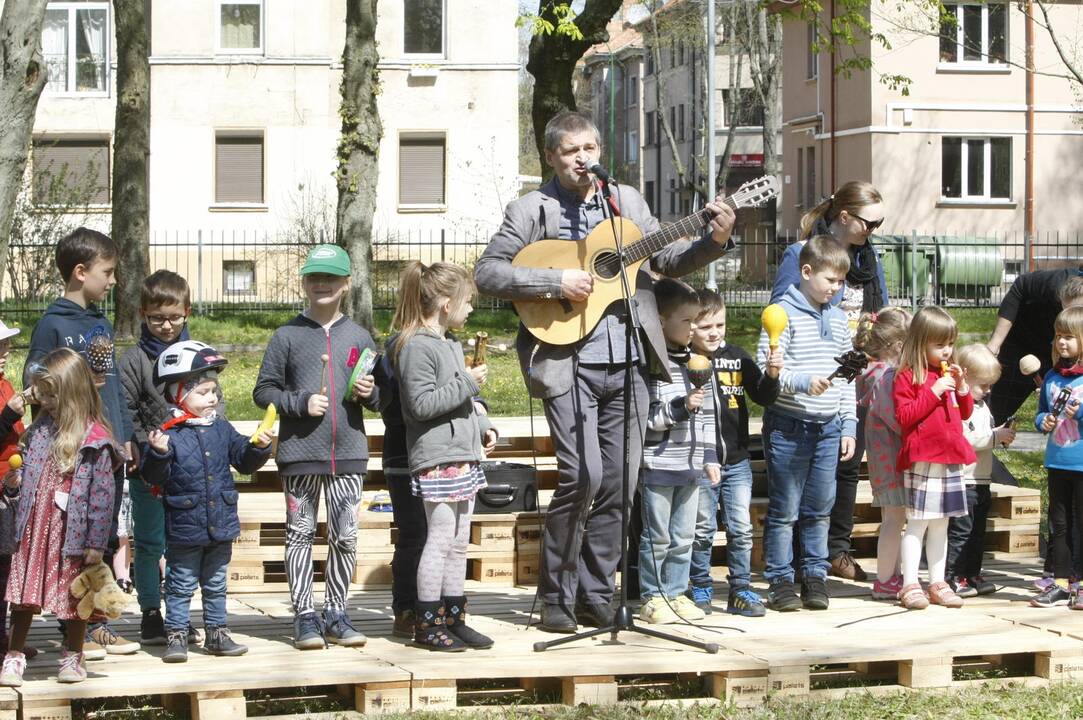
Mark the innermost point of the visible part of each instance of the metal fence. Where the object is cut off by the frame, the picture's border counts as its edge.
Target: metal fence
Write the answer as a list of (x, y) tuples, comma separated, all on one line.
[(252, 271)]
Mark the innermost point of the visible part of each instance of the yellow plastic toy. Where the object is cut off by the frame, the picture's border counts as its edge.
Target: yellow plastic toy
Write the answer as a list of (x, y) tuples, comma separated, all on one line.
[(266, 424), (774, 320), (15, 461)]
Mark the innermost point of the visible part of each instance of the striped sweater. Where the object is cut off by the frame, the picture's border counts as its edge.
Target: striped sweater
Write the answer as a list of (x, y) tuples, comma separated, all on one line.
[(810, 342), (678, 444)]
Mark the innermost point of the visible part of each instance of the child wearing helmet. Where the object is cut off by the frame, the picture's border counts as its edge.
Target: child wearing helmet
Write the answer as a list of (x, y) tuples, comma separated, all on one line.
[(190, 457)]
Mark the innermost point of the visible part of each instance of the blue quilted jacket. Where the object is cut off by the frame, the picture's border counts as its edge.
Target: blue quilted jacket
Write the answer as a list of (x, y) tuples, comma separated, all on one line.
[(200, 497)]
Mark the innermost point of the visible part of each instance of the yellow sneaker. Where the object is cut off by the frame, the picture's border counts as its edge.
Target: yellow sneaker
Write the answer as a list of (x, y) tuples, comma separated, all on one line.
[(656, 612), (686, 608)]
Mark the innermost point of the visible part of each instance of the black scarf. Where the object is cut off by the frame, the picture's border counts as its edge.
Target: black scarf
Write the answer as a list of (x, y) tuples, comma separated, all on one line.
[(864, 269), (153, 346)]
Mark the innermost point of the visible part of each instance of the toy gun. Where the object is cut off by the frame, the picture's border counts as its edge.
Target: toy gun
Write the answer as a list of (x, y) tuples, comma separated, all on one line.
[(851, 364)]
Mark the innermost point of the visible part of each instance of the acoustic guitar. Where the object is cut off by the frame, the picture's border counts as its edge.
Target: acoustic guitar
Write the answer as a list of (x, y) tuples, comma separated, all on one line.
[(563, 322)]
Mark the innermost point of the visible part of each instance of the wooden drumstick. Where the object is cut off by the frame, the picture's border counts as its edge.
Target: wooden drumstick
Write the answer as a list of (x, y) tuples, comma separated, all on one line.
[(481, 345), (323, 374)]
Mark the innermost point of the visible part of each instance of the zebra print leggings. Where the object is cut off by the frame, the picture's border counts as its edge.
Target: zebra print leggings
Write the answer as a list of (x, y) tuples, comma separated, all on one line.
[(342, 496)]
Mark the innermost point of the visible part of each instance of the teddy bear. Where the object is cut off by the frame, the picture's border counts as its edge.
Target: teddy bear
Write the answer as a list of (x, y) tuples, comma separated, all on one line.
[(96, 589)]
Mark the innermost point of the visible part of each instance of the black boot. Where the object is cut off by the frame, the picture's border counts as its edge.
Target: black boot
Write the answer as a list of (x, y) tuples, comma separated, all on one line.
[(219, 642), (456, 624), (429, 630)]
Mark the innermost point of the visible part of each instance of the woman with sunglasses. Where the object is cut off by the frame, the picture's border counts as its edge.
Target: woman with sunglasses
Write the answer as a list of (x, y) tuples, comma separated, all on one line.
[(850, 215)]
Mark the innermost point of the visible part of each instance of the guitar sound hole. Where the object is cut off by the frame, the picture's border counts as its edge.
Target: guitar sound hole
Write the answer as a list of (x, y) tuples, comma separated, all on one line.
[(606, 265)]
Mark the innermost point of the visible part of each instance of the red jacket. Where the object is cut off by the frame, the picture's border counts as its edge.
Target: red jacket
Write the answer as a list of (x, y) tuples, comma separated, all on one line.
[(932, 427), (8, 445)]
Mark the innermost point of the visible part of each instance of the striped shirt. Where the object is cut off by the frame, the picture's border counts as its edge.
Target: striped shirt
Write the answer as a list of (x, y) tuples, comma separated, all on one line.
[(812, 340), (678, 443)]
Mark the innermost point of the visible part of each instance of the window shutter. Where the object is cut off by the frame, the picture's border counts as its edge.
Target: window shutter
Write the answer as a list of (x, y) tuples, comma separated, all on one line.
[(421, 169), (238, 169), (79, 157)]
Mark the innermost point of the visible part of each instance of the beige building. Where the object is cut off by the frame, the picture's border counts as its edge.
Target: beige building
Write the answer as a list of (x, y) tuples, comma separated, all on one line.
[(245, 111), (949, 158), (644, 89)]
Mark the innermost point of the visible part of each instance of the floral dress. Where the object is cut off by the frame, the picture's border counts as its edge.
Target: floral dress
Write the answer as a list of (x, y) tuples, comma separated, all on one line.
[(41, 575)]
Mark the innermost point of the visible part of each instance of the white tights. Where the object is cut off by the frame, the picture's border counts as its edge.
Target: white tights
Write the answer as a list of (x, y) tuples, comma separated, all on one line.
[(936, 549), (892, 520)]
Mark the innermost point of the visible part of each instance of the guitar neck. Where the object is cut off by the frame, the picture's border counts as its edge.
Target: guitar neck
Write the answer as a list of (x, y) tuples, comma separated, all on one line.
[(685, 227)]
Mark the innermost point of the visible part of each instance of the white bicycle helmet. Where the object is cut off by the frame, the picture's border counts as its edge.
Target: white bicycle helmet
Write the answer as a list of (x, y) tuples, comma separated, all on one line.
[(185, 359)]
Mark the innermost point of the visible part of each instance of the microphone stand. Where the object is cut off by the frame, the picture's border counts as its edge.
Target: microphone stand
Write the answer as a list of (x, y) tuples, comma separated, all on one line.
[(623, 619)]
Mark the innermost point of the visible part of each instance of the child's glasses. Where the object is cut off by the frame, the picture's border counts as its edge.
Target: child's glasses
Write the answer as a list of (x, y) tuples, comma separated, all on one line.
[(163, 319)]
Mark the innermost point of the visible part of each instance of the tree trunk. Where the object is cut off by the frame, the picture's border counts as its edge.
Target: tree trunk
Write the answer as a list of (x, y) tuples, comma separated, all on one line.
[(358, 153), (131, 160), (552, 61), (21, 83)]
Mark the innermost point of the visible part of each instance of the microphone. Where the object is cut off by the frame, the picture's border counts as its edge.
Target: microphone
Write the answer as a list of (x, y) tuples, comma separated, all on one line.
[(599, 172)]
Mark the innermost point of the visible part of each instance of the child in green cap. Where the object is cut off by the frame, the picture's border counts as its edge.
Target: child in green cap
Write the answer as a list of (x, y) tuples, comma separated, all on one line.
[(306, 369)]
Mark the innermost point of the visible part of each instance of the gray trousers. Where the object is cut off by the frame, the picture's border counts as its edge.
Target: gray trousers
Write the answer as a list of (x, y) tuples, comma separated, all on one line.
[(581, 548)]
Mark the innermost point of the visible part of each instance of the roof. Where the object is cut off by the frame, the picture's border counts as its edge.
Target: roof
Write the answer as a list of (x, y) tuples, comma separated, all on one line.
[(627, 39)]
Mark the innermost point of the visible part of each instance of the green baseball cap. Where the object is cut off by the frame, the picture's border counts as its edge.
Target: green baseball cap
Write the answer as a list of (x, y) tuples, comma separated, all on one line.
[(329, 259)]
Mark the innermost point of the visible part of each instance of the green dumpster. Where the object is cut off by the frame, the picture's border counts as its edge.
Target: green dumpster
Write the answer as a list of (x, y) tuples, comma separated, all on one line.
[(900, 263), (968, 267)]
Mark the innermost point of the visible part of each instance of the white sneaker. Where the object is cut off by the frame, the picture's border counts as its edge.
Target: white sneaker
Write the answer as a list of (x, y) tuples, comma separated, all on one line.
[(686, 608), (656, 612), (12, 673)]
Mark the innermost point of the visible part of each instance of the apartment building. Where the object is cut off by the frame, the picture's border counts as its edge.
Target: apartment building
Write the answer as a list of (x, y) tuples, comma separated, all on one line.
[(245, 110), (949, 157)]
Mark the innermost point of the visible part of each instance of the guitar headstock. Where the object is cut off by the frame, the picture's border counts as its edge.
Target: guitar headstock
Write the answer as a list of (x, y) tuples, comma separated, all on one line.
[(755, 192), (851, 364)]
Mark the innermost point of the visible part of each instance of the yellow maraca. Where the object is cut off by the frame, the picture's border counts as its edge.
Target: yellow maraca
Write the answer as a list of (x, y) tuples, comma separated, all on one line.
[(15, 461), (774, 321)]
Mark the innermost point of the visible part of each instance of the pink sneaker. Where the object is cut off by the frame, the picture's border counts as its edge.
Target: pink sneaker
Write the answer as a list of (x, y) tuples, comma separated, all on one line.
[(889, 590)]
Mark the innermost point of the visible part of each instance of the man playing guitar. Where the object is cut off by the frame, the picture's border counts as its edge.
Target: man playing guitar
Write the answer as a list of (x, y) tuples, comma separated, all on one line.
[(582, 383)]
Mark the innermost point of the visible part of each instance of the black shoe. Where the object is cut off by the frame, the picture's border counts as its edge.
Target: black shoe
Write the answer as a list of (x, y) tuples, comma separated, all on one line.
[(177, 650), (597, 614), (554, 618), (455, 622), (194, 638), (219, 642), (782, 597), (152, 628), (404, 623), (814, 593), (431, 633)]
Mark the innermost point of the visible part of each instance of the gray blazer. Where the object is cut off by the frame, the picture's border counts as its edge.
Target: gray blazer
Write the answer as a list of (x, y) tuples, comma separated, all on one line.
[(546, 368)]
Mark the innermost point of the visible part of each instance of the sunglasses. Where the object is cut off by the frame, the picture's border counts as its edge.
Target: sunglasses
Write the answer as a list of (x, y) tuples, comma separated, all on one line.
[(869, 224)]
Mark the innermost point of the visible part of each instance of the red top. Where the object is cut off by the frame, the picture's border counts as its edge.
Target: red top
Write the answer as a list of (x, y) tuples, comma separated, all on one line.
[(932, 427), (10, 444)]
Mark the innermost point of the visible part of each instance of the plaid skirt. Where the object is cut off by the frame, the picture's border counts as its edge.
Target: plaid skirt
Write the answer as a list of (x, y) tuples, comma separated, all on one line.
[(934, 491)]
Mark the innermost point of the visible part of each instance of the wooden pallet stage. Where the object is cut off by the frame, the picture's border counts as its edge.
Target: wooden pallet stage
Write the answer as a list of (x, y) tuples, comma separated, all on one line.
[(857, 644)]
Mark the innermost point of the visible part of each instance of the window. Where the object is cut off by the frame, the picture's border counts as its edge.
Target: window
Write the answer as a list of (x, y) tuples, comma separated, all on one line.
[(239, 276), (672, 196), (812, 56), (806, 178), (648, 192), (649, 122), (680, 52), (238, 167), (744, 106), (800, 177), (421, 168), (633, 91), (673, 54), (649, 68), (976, 168), (71, 171), (240, 27), (423, 27), (632, 154), (974, 34), (75, 46), (680, 122), (673, 120), (686, 206)]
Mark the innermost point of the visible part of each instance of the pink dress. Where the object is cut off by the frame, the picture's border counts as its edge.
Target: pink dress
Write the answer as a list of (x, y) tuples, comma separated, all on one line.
[(883, 437), (41, 575)]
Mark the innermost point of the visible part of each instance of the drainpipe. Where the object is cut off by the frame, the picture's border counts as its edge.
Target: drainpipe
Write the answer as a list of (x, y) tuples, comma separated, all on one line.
[(1028, 190), (831, 20)]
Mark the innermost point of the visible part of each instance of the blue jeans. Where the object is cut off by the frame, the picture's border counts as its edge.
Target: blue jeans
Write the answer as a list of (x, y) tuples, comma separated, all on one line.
[(801, 461), (665, 548), (736, 499), (192, 566), (706, 528)]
